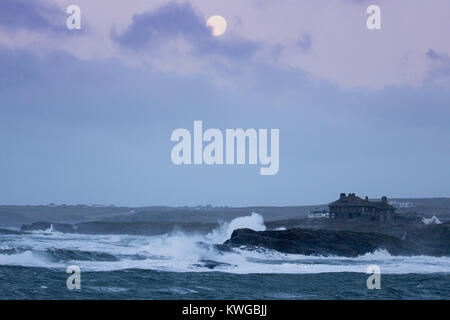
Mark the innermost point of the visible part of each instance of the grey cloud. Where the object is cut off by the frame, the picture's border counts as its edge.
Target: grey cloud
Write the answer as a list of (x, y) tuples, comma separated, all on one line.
[(440, 65), (30, 14), (305, 42), (152, 29)]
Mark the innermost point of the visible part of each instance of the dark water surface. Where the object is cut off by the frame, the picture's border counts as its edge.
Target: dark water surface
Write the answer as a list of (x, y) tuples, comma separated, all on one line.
[(41, 283)]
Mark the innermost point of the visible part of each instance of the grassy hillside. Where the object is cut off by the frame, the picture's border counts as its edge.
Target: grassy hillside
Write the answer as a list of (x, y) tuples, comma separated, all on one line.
[(18, 215)]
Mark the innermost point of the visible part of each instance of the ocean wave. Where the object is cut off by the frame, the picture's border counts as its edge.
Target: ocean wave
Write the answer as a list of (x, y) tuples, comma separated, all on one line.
[(179, 252), (26, 259), (74, 255)]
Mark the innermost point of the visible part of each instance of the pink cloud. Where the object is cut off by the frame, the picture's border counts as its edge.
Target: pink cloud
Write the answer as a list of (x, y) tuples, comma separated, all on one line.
[(339, 47)]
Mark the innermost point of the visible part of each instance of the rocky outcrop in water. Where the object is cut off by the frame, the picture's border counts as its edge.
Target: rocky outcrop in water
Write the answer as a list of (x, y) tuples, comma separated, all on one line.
[(318, 242), (7, 231), (319, 238), (41, 226), (433, 241), (133, 228)]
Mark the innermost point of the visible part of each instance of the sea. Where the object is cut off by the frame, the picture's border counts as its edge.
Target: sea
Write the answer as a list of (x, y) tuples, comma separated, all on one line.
[(177, 265)]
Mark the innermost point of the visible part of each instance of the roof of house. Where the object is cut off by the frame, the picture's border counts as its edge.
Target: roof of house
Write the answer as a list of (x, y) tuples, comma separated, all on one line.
[(354, 201)]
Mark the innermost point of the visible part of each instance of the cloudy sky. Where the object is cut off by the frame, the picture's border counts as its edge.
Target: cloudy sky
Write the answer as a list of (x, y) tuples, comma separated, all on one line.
[(86, 115)]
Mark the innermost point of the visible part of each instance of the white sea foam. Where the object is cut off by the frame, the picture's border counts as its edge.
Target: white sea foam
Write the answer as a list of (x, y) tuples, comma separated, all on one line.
[(255, 222), (432, 220), (178, 252), (26, 259)]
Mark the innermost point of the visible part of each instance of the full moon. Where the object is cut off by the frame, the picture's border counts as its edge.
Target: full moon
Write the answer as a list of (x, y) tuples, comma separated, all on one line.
[(218, 25)]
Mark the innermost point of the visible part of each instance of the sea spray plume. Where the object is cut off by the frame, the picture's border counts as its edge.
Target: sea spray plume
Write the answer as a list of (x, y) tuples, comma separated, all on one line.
[(181, 250), (255, 222), (176, 252), (26, 259), (49, 230), (432, 220)]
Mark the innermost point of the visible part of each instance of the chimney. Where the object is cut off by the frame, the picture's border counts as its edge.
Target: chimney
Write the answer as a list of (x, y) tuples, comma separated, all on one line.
[(342, 196), (384, 199), (367, 199)]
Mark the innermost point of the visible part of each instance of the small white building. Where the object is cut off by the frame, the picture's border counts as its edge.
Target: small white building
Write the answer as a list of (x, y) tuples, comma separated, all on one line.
[(319, 214)]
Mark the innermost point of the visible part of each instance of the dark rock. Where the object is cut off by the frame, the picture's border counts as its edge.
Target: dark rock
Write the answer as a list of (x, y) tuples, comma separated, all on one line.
[(36, 226), (432, 239), (6, 231), (321, 242), (41, 226), (211, 264), (142, 228), (133, 228), (68, 254), (221, 248)]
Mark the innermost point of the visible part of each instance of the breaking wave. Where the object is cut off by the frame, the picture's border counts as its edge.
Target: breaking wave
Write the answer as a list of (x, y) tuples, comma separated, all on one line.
[(179, 252)]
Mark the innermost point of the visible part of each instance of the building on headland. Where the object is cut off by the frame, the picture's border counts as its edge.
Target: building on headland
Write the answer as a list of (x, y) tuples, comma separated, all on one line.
[(351, 206)]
